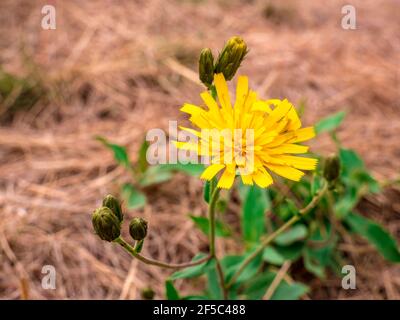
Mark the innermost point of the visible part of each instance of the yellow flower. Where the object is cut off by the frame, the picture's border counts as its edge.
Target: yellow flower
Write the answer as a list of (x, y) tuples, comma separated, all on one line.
[(250, 138)]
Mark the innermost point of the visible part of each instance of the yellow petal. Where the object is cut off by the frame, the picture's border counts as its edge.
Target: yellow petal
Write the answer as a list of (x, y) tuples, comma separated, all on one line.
[(209, 101), (278, 113), (262, 178), (274, 102), (247, 179), (299, 162), (294, 120), (286, 172), (242, 90), (288, 148), (186, 145), (211, 171), (282, 138), (303, 134), (200, 121), (191, 109), (266, 138), (227, 178), (223, 92), (260, 105)]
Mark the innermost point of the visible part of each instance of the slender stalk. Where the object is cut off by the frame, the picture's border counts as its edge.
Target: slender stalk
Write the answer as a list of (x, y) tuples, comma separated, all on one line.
[(333, 223), (221, 278), (161, 264), (211, 217), (277, 232)]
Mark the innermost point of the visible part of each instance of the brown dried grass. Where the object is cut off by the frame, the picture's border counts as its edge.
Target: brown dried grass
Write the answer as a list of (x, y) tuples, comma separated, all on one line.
[(121, 69)]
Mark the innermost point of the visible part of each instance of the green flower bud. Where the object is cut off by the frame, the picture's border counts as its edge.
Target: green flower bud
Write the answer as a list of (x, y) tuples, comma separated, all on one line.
[(148, 293), (206, 67), (332, 168), (231, 57), (111, 202), (106, 224), (138, 229)]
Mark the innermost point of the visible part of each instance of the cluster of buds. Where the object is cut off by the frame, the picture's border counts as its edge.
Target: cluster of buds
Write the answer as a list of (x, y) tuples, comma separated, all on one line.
[(107, 221), (332, 169), (228, 61)]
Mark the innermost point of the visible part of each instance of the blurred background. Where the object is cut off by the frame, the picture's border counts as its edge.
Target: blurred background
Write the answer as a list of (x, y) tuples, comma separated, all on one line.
[(120, 68)]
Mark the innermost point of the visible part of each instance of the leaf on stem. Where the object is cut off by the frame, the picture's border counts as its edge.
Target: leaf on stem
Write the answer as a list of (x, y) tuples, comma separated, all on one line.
[(191, 169), (194, 271), (170, 291), (206, 191), (376, 235), (330, 123), (255, 203), (142, 160), (120, 154), (221, 229), (296, 233), (134, 198), (258, 286), (154, 175)]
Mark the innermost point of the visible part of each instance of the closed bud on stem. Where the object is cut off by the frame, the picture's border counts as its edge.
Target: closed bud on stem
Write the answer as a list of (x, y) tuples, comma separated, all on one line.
[(206, 67), (138, 229), (332, 168), (106, 224), (231, 57), (148, 293), (114, 205)]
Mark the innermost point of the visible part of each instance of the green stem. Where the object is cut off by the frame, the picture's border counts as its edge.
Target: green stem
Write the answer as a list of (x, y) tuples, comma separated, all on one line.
[(211, 214), (277, 232), (221, 278), (138, 246), (149, 261)]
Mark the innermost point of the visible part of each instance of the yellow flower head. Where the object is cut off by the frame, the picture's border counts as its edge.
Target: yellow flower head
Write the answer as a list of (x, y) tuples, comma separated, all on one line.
[(249, 137)]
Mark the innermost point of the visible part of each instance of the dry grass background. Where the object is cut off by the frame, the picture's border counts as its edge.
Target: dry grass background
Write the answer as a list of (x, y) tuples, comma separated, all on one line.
[(119, 68)]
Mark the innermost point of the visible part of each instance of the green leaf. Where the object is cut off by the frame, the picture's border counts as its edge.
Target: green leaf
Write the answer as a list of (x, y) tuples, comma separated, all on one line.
[(191, 169), (142, 161), (296, 233), (258, 286), (330, 123), (311, 264), (291, 252), (350, 161), (134, 198), (221, 205), (120, 154), (213, 287), (195, 271), (154, 175), (292, 291), (170, 291), (316, 259), (206, 191), (316, 184), (230, 265), (221, 230), (256, 202), (356, 180), (271, 255), (376, 235), (346, 203), (354, 171)]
